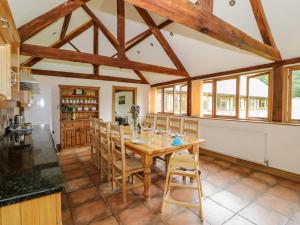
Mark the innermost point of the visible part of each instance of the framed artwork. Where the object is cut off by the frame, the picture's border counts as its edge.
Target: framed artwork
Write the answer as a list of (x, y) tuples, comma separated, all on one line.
[(121, 100)]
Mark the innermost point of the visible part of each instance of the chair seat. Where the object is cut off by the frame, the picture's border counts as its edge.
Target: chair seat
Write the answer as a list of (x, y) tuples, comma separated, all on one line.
[(132, 164)]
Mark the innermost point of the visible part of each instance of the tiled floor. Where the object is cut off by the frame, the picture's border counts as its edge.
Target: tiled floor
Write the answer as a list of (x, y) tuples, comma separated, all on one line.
[(234, 195)]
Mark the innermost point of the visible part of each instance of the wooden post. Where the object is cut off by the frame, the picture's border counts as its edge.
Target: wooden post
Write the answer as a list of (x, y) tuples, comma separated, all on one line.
[(189, 98), (197, 86), (278, 89), (96, 48)]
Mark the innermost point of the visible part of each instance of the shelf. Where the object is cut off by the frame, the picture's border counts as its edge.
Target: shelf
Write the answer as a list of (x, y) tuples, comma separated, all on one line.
[(79, 96), (82, 112), (74, 104)]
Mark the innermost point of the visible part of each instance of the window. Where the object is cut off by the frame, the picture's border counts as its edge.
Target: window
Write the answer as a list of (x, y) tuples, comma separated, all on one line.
[(226, 97), (240, 96), (258, 96), (171, 99), (207, 98), (294, 94), (168, 99)]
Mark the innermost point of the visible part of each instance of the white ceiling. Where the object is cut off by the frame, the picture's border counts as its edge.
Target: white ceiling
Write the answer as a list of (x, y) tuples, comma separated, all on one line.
[(199, 54)]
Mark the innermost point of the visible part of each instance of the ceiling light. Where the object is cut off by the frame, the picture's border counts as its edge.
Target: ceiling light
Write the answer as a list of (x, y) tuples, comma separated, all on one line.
[(232, 2), (138, 52), (194, 2), (171, 34), (151, 44)]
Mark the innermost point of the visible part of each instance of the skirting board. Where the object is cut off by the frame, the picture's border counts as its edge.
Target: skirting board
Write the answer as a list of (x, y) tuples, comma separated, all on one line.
[(252, 165)]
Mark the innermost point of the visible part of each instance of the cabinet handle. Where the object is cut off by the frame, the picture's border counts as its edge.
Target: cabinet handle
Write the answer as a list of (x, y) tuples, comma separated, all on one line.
[(4, 23)]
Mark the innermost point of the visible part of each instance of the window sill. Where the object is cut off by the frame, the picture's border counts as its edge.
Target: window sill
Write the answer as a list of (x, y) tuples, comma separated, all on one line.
[(252, 121)]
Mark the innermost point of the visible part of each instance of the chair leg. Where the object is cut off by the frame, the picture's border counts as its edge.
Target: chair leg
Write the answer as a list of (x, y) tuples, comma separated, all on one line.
[(113, 172), (199, 194), (124, 193), (165, 191)]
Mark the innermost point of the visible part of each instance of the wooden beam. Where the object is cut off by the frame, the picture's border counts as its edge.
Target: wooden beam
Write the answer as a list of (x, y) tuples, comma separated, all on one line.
[(161, 39), (121, 28), (207, 5), (111, 38), (33, 27), (34, 60), (142, 36), (73, 46), (66, 55), (65, 26), (83, 76), (183, 12), (96, 48), (278, 89), (262, 23)]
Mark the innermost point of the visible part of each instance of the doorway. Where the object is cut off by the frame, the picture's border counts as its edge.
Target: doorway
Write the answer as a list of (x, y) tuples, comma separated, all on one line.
[(123, 98)]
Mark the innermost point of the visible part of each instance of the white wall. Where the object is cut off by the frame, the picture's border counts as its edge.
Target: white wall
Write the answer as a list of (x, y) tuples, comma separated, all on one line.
[(105, 98), (257, 142), (40, 112), (123, 109)]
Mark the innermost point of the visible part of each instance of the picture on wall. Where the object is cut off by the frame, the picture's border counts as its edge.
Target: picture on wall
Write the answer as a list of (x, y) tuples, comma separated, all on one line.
[(121, 100)]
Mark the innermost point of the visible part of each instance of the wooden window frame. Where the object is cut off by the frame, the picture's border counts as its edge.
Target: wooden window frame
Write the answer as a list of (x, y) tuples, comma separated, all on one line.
[(163, 98), (212, 98), (289, 73)]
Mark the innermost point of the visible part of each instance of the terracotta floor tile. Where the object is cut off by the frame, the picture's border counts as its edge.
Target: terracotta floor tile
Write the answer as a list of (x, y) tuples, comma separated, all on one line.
[(76, 184), (185, 195), (207, 158), (82, 196), (64, 201), (214, 213), (225, 165), (238, 220), (66, 162), (105, 190), (292, 223), (256, 184), (209, 188), (154, 190), (96, 179), (244, 191), (66, 217), (241, 169), (284, 207), (260, 215), (111, 220), (269, 179), (225, 178), (290, 184), (230, 201), (138, 215), (185, 217), (211, 167), (117, 205), (91, 170), (88, 212), (285, 193), (72, 174)]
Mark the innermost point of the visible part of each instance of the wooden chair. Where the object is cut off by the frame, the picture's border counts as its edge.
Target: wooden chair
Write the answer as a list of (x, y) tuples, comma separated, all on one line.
[(123, 167), (183, 165), (149, 121), (93, 141), (162, 122), (105, 151), (175, 124), (96, 143), (191, 127)]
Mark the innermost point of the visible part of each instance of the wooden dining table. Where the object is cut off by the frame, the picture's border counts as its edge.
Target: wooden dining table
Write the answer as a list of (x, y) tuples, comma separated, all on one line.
[(160, 145)]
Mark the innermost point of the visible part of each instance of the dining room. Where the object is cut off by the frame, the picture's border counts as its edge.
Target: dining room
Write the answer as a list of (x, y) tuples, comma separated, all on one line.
[(149, 112)]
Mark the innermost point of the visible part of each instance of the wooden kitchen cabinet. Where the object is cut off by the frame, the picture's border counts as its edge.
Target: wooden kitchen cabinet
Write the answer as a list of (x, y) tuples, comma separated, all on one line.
[(9, 55)]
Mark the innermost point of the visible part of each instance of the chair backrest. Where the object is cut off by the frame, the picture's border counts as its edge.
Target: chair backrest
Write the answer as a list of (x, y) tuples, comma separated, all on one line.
[(105, 138), (175, 124), (149, 121), (162, 122), (191, 127), (118, 145)]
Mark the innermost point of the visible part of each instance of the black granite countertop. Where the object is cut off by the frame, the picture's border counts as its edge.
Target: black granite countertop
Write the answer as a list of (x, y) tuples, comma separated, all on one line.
[(30, 169)]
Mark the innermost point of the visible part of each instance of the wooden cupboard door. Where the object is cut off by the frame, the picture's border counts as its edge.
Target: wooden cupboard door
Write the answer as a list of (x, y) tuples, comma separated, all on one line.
[(29, 208), (83, 136), (88, 136), (78, 134), (47, 208), (10, 215)]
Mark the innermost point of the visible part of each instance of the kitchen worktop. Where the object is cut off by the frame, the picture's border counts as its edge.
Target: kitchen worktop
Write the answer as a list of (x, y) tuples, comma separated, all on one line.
[(29, 169)]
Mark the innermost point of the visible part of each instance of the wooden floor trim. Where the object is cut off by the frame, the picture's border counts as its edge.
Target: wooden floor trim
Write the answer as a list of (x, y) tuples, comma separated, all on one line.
[(252, 165)]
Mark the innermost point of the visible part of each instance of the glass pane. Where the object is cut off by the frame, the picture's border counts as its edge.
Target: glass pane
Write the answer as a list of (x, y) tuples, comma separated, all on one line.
[(158, 100), (226, 97), (258, 96), (183, 100), (207, 99), (177, 99), (243, 96), (296, 95), (168, 100)]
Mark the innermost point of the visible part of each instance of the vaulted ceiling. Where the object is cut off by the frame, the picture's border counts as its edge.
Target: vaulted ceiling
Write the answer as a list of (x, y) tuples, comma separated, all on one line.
[(198, 53)]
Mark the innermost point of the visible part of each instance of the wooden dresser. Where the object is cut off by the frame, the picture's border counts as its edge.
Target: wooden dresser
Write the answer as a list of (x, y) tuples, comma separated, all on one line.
[(78, 105)]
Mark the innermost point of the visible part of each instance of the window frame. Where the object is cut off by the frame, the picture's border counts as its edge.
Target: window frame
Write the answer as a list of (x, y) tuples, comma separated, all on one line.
[(248, 75), (289, 98), (163, 98), (212, 98)]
